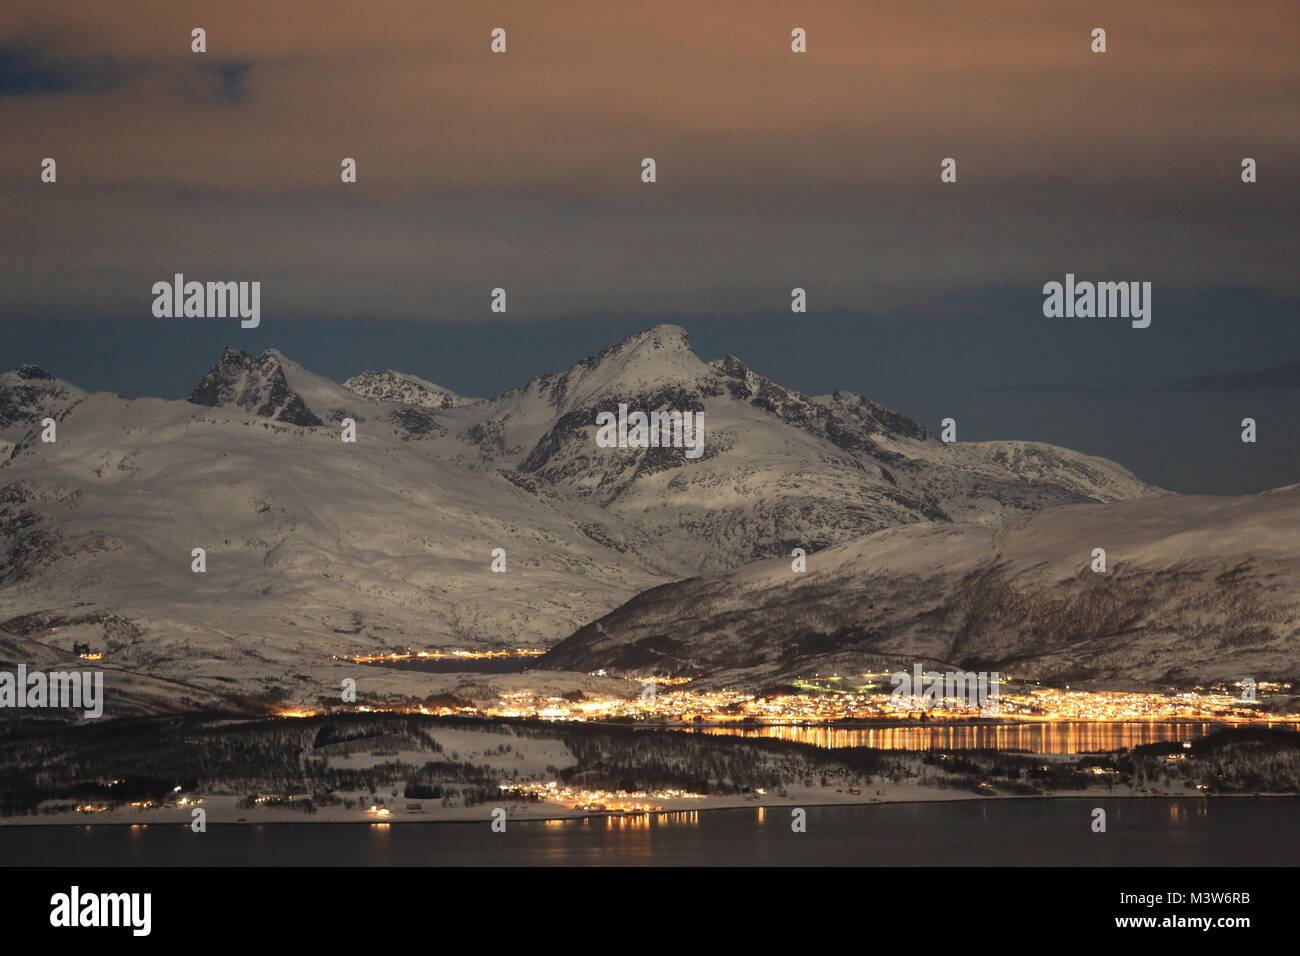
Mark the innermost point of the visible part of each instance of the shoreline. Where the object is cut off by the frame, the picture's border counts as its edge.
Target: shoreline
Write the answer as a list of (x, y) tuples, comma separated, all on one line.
[(180, 817), (888, 723)]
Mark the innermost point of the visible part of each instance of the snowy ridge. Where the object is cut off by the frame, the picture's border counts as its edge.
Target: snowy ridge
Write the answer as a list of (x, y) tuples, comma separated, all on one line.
[(403, 389), (1196, 588), (29, 394), (780, 469), (258, 385), (313, 547), (317, 547)]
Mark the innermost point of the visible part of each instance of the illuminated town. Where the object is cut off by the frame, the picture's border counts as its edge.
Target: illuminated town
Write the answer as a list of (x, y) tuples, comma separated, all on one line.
[(440, 656), (820, 702), (725, 706), (597, 801)]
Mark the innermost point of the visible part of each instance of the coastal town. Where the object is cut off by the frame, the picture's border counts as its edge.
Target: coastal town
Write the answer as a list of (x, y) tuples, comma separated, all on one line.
[(830, 699)]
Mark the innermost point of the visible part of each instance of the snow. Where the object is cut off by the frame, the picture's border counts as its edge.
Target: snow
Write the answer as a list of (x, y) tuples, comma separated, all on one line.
[(1196, 588), (303, 533), (318, 547)]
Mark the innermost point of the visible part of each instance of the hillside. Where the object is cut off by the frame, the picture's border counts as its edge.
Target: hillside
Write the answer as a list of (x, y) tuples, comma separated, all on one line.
[(1197, 588)]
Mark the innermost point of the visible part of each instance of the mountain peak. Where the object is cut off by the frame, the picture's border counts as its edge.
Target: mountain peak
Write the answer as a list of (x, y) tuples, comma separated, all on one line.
[(663, 335), (32, 372), (404, 389), (29, 393), (256, 385), (643, 363), (657, 343)]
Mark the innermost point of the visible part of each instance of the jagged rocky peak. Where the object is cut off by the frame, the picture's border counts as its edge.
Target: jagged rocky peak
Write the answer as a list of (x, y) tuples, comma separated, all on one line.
[(256, 385), (660, 355), (873, 416), (658, 368), (732, 367), (35, 377), (651, 362), (404, 389), (847, 419), (33, 373), (29, 393), (666, 338)]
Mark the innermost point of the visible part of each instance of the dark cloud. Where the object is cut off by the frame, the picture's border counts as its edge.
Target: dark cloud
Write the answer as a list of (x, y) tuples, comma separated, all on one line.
[(28, 70), (1286, 375), (522, 170), (1283, 376), (38, 67), (232, 75), (776, 170)]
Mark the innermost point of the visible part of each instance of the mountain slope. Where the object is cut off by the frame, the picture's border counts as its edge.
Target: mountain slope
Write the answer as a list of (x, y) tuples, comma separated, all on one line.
[(274, 386), (314, 546), (780, 469), (1197, 588), (258, 385), (317, 547), (404, 389), (28, 395)]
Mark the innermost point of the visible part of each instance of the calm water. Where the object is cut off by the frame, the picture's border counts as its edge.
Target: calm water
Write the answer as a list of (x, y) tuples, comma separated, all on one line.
[(1042, 738), (1046, 832)]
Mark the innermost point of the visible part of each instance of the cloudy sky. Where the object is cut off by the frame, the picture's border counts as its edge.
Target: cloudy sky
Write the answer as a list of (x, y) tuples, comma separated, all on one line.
[(775, 170)]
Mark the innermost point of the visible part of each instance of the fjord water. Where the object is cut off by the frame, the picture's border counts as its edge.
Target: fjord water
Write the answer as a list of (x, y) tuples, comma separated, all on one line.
[(1221, 831), (1040, 737)]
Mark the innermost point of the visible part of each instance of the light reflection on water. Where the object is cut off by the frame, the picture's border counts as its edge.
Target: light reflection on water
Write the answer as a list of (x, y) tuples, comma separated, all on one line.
[(638, 821), (1046, 737), (1179, 831)]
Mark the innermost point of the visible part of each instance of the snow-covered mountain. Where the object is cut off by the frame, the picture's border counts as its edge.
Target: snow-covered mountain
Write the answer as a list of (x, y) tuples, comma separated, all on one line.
[(28, 395), (313, 546), (273, 386), (316, 546), (404, 389), (1196, 588), (258, 385), (780, 469)]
